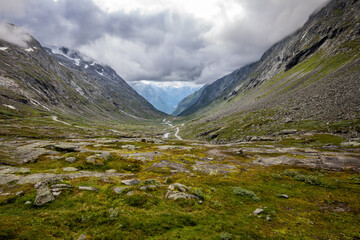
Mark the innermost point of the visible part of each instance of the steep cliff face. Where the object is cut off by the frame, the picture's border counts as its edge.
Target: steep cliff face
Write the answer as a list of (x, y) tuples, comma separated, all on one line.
[(35, 80), (310, 75)]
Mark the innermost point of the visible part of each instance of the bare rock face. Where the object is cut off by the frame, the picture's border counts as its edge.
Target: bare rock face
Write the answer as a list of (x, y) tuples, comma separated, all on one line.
[(43, 195)]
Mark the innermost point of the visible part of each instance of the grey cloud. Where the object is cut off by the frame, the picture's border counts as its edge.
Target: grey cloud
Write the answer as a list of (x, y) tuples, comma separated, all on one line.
[(162, 46)]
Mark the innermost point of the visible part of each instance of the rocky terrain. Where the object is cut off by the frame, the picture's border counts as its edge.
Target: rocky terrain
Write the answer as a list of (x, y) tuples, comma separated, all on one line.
[(310, 76), (271, 151), (98, 184)]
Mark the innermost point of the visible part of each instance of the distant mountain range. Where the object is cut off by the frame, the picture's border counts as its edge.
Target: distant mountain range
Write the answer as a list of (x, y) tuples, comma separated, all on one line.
[(58, 80), (165, 96)]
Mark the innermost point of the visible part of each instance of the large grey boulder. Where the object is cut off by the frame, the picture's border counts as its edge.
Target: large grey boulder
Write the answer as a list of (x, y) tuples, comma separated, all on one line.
[(43, 195)]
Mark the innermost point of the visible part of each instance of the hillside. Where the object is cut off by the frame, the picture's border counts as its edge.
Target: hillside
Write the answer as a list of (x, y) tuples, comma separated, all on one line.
[(35, 81), (308, 80)]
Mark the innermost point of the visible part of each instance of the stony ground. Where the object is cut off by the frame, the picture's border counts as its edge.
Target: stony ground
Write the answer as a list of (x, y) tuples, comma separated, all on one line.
[(118, 186)]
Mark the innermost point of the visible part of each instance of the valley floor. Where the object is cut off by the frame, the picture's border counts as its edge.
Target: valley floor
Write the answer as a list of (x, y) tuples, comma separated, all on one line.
[(62, 182)]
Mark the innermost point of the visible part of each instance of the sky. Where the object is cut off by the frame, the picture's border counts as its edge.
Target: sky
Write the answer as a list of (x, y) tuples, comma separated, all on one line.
[(162, 40)]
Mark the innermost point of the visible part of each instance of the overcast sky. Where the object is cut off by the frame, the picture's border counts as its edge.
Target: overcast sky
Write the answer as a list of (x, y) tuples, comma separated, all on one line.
[(163, 40)]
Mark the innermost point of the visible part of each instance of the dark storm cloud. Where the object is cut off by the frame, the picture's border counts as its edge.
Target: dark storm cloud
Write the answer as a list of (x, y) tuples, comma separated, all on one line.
[(165, 45)]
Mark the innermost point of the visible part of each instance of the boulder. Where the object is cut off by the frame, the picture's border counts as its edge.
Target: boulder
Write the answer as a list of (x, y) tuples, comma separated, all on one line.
[(87, 188), (258, 211), (180, 195), (131, 182), (178, 186), (149, 187), (70, 159), (43, 195)]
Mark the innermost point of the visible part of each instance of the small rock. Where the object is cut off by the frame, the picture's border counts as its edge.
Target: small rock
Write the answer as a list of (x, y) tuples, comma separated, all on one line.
[(70, 169), (61, 185), (87, 188), (43, 195), (149, 187), (200, 202), (268, 218), (56, 193), (70, 159), (239, 151), (119, 190), (105, 179), (111, 171), (178, 186), (283, 196), (258, 211), (82, 237), (27, 202), (65, 147), (180, 195), (131, 182), (288, 120), (18, 193)]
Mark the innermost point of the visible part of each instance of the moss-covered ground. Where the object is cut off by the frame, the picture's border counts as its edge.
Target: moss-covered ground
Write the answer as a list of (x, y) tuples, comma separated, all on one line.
[(322, 203)]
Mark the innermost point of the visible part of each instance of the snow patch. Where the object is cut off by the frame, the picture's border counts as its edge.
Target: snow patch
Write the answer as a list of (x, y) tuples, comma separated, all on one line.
[(9, 106), (3, 48), (77, 61), (166, 135), (29, 49), (92, 64), (86, 66), (100, 73)]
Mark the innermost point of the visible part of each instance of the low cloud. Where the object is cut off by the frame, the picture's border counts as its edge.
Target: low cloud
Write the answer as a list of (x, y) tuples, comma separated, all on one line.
[(163, 40), (14, 35)]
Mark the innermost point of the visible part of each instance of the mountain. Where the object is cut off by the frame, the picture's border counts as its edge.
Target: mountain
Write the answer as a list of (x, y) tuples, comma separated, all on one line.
[(165, 96), (307, 80), (37, 80), (188, 101)]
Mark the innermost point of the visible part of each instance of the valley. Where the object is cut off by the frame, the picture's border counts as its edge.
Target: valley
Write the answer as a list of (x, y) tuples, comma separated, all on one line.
[(268, 151)]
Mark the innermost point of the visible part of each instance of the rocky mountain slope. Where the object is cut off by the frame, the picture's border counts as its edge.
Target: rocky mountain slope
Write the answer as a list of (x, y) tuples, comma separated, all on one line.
[(188, 101), (37, 80), (310, 76)]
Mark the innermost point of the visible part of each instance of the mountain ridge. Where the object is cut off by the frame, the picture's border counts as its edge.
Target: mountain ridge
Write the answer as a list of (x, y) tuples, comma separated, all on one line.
[(45, 81), (285, 78)]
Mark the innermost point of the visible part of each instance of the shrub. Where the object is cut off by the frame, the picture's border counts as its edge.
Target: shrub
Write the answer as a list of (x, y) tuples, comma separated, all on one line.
[(243, 192), (309, 179)]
